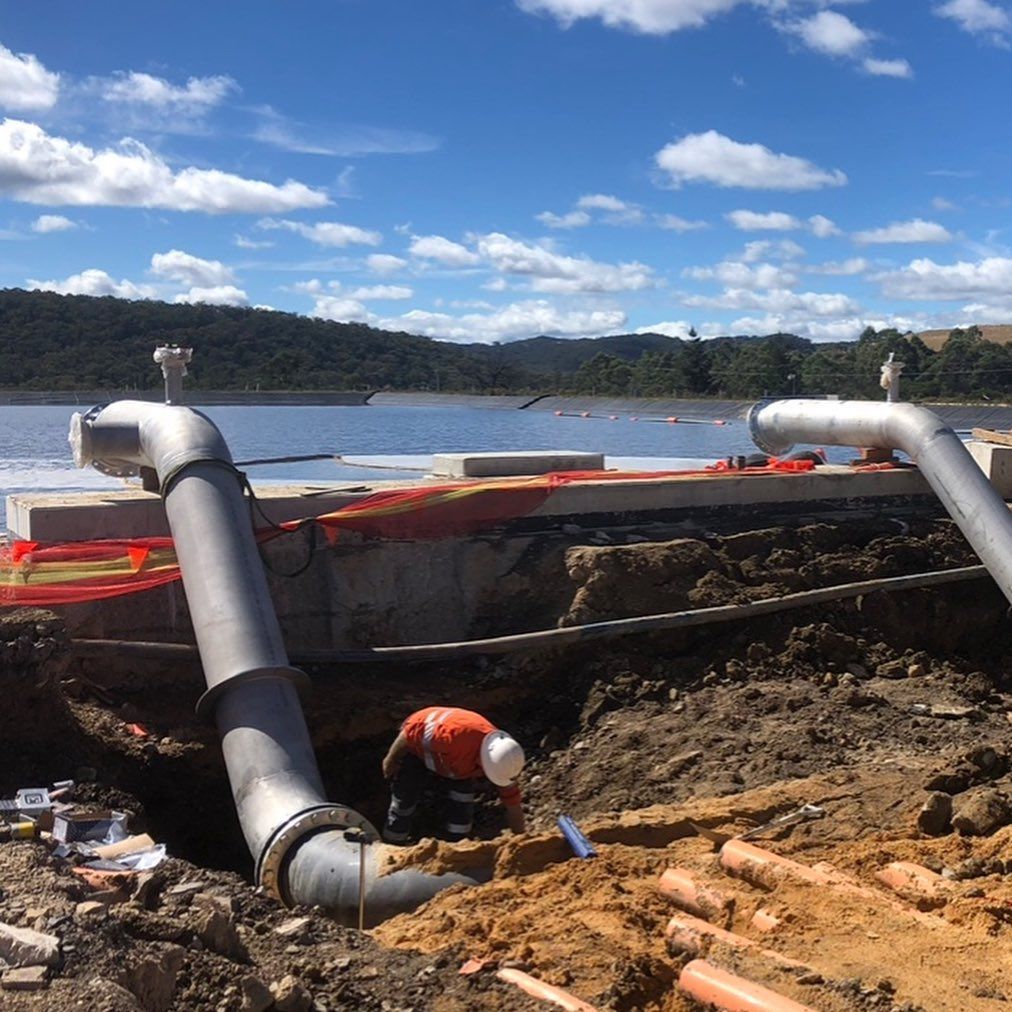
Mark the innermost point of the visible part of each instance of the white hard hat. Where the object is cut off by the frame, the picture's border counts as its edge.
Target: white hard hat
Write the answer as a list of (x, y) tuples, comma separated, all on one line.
[(502, 758)]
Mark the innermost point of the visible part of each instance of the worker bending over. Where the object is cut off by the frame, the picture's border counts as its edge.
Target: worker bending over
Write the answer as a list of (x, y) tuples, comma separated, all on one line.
[(458, 746)]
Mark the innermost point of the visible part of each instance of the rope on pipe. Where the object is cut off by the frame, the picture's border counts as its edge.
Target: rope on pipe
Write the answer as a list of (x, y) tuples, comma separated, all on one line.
[(548, 638)]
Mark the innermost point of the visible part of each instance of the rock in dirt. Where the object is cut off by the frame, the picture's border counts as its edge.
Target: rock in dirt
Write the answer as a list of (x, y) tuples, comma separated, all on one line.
[(218, 933), (153, 981), (255, 995), (28, 978), (25, 947), (982, 811), (935, 814), (290, 995)]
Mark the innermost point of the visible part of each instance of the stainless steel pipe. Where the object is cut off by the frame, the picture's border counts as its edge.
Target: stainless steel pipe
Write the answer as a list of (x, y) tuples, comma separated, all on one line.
[(294, 834), (959, 483)]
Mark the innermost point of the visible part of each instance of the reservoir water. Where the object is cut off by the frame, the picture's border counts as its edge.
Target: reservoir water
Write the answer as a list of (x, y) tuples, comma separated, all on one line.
[(35, 455)]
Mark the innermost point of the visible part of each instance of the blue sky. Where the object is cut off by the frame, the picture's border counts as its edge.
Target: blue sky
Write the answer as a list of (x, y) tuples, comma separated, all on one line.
[(491, 170)]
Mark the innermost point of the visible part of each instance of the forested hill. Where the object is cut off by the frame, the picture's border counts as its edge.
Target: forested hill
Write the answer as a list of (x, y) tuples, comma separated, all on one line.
[(67, 342)]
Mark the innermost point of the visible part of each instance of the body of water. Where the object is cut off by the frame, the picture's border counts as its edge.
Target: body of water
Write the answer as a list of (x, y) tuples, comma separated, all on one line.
[(35, 454)]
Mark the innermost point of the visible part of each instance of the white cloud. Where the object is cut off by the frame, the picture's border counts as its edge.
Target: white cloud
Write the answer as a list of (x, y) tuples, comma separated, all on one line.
[(713, 158), (190, 270), (771, 249), (670, 328), (216, 295), (887, 68), (25, 83), (42, 169), (754, 221), (737, 274), (553, 272), (245, 243), (652, 17), (198, 94), (442, 250), (822, 227), (602, 202), (777, 300), (941, 204), (325, 233), (341, 310), (841, 268), (385, 263), (574, 219), (95, 282), (927, 280), (52, 223), (518, 320), (678, 224), (916, 230), (830, 33), (978, 17), (381, 292)]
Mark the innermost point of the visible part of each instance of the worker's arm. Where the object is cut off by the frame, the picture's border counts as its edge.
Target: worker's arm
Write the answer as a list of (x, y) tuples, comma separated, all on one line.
[(514, 805), (395, 756)]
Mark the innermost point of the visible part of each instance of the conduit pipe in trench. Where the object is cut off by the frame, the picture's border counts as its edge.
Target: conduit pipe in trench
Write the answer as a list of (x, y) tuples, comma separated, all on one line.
[(959, 483), (296, 836)]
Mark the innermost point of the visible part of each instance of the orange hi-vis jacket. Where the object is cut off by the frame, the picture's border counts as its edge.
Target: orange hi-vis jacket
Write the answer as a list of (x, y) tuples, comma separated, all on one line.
[(448, 740)]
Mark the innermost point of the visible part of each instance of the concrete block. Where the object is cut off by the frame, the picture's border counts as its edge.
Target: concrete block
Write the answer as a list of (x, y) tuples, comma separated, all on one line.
[(500, 465), (996, 462)]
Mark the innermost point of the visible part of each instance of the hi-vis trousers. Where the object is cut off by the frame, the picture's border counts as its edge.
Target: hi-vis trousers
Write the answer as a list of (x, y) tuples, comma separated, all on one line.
[(406, 792)]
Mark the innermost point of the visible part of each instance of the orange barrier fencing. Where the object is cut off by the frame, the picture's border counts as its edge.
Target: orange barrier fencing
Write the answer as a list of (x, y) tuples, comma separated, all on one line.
[(32, 573)]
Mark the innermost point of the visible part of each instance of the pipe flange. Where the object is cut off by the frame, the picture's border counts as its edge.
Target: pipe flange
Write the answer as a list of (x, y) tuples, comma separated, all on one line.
[(309, 820)]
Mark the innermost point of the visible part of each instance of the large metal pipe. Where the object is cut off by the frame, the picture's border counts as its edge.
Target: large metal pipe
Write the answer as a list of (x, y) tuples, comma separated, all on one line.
[(939, 453), (294, 833)]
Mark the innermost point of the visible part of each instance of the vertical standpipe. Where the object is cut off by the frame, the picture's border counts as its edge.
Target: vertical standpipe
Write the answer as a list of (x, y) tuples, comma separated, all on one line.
[(959, 483), (294, 834)]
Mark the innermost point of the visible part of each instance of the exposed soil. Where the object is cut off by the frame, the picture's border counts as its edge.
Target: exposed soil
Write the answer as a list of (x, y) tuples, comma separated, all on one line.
[(864, 707)]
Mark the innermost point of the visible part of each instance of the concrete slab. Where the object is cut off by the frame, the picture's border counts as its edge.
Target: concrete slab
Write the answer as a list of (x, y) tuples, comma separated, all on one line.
[(996, 462), (520, 462), (132, 513)]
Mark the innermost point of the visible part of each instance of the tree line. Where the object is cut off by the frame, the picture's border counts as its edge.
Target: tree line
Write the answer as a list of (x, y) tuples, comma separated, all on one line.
[(55, 342)]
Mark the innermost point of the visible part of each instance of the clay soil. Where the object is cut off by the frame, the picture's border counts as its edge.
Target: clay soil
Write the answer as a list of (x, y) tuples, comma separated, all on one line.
[(865, 708)]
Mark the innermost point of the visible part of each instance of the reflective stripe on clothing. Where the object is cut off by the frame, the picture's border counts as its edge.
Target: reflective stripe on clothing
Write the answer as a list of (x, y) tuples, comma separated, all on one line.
[(432, 724), (448, 740)]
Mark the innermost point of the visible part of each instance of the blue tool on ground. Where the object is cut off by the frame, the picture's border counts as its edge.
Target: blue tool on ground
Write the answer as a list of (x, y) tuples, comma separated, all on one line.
[(582, 847)]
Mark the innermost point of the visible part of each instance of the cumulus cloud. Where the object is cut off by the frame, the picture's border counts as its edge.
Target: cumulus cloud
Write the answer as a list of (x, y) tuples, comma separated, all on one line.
[(979, 17), (95, 282), (923, 279), (25, 83), (754, 221), (325, 233), (771, 249), (669, 328), (778, 300), (841, 268), (198, 94), (190, 270), (713, 158), (243, 242), (676, 223), (738, 274), (385, 263), (341, 309), (381, 292), (45, 223), (42, 169), (916, 230), (215, 295), (602, 202), (574, 219), (442, 250), (830, 33), (822, 227), (651, 17), (887, 68), (554, 272)]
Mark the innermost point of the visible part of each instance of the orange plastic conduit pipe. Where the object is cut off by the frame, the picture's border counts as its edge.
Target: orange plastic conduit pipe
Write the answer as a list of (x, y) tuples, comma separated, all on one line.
[(716, 988), (679, 885), (546, 992)]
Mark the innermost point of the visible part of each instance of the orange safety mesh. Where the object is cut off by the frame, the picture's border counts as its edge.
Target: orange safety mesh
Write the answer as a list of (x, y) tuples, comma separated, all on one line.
[(66, 573)]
